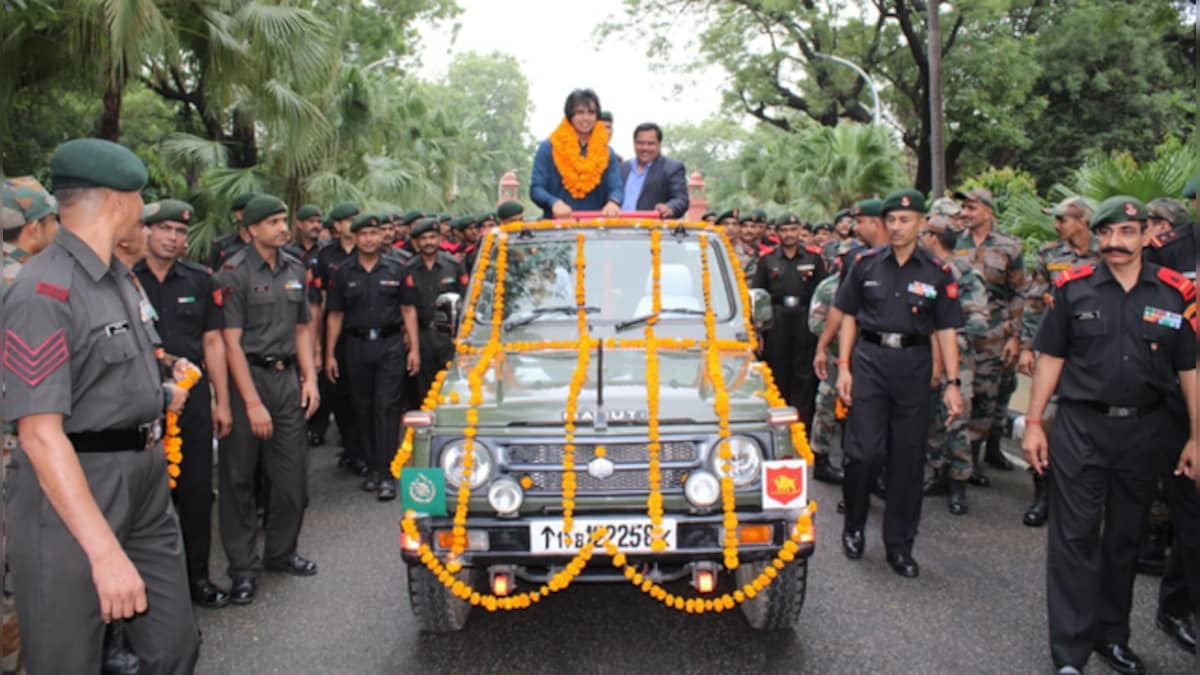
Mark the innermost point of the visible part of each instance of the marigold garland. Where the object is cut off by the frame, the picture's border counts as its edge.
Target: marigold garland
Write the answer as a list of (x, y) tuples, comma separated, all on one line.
[(578, 377), (654, 502), (580, 174), (173, 441)]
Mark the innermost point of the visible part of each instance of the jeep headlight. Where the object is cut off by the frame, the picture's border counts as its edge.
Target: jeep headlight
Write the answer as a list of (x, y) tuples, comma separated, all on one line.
[(746, 462), (452, 457)]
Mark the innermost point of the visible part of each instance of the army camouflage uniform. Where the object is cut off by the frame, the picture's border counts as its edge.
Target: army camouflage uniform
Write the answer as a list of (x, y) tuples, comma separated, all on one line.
[(747, 257), (825, 423), (953, 444), (1052, 257), (1000, 261)]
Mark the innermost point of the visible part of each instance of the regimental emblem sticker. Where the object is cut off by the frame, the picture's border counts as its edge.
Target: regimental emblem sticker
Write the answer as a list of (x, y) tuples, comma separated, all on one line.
[(1130, 209), (423, 491), (784, 484)]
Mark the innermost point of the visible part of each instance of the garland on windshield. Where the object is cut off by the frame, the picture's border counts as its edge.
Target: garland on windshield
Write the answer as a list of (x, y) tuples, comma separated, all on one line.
[(578, 377), (580, 174), (654, 502)]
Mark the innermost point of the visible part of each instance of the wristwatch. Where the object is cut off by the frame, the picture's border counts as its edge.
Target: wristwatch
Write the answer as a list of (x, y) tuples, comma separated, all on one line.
[(956, 382)]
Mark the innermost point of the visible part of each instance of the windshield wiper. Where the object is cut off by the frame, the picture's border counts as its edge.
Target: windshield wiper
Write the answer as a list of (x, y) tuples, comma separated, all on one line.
[(544, 311), (639, 320)]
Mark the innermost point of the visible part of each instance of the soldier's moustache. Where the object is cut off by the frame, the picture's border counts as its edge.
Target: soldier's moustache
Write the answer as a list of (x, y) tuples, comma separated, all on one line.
[(1115, 249)]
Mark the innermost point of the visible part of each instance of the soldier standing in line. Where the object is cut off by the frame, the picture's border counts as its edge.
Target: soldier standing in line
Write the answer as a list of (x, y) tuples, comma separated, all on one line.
[(468, 228), (825, 418), (337, 395), (189, 324), (745, 246), (81, 380), (369, 304), (226, 245), (432, 273), (1000, 260), (266, 337), (1112, 343), (306, 247), (790, 274), (1076, 245)]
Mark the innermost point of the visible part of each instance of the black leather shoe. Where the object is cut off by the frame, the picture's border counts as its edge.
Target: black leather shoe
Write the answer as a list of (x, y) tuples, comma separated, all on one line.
[(1180, 630), (315, 439), (903, 564), (826, 472), (936, 485), (958, 498), (207, 594), (1152, 563), (978, 479), (1035, 515), (371, 483), (994, 456), (387, 490), (242, 591), (361, 468), (1121, 658), (879, 488), (852, 543), (295, 565), (119, 660)]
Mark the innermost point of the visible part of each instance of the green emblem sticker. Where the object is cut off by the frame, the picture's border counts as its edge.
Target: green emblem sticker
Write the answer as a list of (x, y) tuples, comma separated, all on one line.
[(423, 491)]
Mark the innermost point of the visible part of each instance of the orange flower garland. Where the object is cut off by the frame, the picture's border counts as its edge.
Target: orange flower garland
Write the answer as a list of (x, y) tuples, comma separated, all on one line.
[(580, 174), (173, 442), (654, 502), (578, 377)]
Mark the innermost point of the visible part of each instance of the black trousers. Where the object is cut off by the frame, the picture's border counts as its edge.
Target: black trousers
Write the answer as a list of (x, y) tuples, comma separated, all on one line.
[(343, 409), (1179, 591), (376, 372), (887, 429), (436, 350), (193, 490), (1102, 477), (284, 457), (789, 348)]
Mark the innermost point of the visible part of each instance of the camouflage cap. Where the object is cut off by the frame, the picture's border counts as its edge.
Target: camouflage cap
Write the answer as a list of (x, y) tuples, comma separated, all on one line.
[(945, 206), (939, 222), (364, 221), (93, 162), (308, 211), (1118, 209), (1165, 208), (907, 199), (1072, 207), (168, 209), (262, 207), (1193, 185), (509, 209), (23, 200), (977, 194)]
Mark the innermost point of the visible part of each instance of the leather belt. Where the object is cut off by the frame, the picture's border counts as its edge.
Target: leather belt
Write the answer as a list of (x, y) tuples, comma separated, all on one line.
[(116, 440), (789, 301), (374, 333), (894, 340), (279, 363), (1120, 411)]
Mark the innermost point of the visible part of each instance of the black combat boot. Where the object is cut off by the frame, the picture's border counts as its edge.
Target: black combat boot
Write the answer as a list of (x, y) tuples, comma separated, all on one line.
[(993, 455), (977, 478), (958, 497), (1035, 515), (825, 471)]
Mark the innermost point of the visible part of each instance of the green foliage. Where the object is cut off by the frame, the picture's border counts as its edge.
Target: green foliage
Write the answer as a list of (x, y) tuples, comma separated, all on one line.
[(1119, 173)]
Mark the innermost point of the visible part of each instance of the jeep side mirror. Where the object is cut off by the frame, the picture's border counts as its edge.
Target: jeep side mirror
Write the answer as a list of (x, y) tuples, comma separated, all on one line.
[(447, 308), (761, 312)]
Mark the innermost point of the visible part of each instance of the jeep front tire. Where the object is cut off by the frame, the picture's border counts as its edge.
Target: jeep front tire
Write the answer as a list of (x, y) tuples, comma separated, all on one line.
[(776, 607)]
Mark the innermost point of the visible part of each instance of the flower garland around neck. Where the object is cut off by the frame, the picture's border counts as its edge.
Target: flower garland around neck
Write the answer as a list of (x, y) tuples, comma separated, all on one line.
[(580, 174), (173, 443)]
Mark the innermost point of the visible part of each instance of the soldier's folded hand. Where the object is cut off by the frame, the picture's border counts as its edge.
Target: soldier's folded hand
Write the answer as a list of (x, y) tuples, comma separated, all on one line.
[(120, 588), (820, 365), (845, 385), (331, 369), (1034, 446), (310, 398), (1189, 462), (1025, 362), (414, 363), (222, 420), (260, 420)]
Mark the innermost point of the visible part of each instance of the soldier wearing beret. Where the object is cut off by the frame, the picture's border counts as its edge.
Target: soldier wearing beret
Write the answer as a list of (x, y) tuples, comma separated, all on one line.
[(895, 301), (270, 354), (509, 212), (825, 419), (468, 228), (430, 274), (226, 245), (709, 217), (82, 384), (373, 311), (404, 231), (843, 224), (189, 323), (745, 245), (1117, 342)]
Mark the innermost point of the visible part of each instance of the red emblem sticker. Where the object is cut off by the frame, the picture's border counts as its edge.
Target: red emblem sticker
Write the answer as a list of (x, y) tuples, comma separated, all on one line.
[(952, 291), (784, 484), (219, 297), (50, 290), (1130, 209), (186, 216), (34, 364), (904, 201), (408, 281)]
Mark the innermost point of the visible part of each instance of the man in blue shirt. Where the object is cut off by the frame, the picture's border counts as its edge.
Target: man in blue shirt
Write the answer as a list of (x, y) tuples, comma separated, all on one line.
[(575, 169), (653, 182)]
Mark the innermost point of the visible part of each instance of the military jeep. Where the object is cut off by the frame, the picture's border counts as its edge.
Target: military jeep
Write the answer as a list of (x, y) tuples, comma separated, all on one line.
[(515, 534)]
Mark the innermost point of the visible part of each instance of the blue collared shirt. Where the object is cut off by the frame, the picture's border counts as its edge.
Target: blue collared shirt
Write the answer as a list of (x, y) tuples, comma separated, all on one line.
[(545, 184), (633, 184)]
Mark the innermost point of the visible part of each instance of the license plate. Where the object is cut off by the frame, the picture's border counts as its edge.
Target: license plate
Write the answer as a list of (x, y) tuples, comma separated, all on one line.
[(631, 535)]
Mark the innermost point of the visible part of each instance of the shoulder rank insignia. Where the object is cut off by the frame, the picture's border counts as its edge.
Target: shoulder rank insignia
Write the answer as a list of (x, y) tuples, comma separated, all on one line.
[(50, 290), (1185, 286), (815, 250), (1073, 274), (1165, 238), (868, 252)]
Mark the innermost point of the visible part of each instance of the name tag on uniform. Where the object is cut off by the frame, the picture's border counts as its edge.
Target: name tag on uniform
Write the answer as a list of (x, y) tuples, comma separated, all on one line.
[(1058, 266), (388, 283), (1088, 316), (187, 299), (962, 251), (116, 328), (351, 284), (1162, 317), (805, 268), (870, 283), (922, 289), (293, 285)]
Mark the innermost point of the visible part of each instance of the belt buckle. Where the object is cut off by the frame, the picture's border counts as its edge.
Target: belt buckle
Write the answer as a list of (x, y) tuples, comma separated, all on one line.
[(374, 333), (151, 432), (1121, 411), (790, 301), (891, 340), (279, 365)]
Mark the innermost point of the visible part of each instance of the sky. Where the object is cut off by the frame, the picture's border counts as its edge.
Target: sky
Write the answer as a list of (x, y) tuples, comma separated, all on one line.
[(554, 42)]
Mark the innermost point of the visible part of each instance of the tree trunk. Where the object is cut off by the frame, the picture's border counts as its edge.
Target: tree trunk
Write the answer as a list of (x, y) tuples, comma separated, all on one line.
[(110, 117)]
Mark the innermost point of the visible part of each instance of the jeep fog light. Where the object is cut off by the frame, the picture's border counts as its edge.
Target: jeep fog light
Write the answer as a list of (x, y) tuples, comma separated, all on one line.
[(747, 459), (505, 496), (452, 456), (702, 489)]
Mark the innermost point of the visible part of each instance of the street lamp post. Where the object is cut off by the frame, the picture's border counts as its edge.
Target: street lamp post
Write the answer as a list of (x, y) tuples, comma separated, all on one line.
[(863, 74)]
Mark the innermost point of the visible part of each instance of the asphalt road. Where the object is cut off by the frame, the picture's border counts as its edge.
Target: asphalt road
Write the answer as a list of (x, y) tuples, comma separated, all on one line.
[(978, 607)]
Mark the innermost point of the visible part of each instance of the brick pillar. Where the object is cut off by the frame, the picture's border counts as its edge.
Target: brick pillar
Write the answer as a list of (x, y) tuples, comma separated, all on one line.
[(698, 203), (510, 188)]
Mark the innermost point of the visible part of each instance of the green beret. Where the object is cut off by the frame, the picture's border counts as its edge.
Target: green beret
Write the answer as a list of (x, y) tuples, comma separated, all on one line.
[(422, 226), (92, 162), (344, 210), (487, 217), (386, 218), (509, 209), (411, 217), (605, 116), (731, 213), (907, 199), (327, 223), (240, 201), (363, 221), (308, 211), (823, 227), (758, 216), (168, 209), (1169, 210), (1118, 209), (872, 208), (708, 214), (464, 222), (1193, 185), (23, 200), (788, 219), (841, 214), (444, 218), (262, 207)]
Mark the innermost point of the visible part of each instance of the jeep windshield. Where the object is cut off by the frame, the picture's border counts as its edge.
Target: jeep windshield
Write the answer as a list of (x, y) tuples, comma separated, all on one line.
[(539, 283)]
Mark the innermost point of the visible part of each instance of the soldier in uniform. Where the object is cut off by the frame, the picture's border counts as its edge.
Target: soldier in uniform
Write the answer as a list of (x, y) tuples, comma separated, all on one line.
[(29, 218), (337, 395), (791, 274), (728, 224), (1000, 260), (1111, 344), (949, 446), (468, 229), (429, 274), (189, 323), (745, 246), (266, 337), (1076, 245), (371, 308), (306, 246), (895, 300), (226, 245), (81, 381), (825, 418)]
